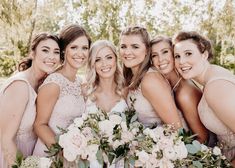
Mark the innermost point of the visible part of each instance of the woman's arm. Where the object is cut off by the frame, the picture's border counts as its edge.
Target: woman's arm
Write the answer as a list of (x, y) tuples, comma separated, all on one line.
[(156, 90), (46, 100), (187, 98), (220, 96), (12, 108)]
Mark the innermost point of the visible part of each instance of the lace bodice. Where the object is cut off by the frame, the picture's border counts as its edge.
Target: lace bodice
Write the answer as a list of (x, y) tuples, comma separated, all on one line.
[(70, 103)]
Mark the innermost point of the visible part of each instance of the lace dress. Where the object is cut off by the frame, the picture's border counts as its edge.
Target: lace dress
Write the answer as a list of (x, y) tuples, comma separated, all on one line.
[(146, 112), (225, 136), (120, 106), (69, 105), (25, 138)]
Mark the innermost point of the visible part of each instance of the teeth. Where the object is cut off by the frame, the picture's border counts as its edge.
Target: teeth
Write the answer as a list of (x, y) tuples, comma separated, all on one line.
[(106, 69), (163, 66), (50, 63), (129, 58), (78, 59), (186, 69)]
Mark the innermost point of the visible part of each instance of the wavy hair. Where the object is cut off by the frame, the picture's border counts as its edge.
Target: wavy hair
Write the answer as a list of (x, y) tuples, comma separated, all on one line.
[(133, 81), (92, 77)]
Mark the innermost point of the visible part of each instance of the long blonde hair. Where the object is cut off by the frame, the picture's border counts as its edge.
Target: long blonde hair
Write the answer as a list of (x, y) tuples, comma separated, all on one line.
[(92, 77)]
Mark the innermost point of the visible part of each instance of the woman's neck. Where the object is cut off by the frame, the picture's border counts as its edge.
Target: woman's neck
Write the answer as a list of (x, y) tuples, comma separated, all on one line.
[(106, 86), (202, 78), (35, 77), (68, 72)]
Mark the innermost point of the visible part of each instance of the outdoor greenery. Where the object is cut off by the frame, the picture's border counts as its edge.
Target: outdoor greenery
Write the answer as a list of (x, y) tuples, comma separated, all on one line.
[(104, 19)]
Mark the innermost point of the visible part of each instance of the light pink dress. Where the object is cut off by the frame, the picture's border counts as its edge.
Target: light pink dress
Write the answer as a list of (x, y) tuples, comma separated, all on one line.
[(25, 137), (144, 109), (225, 136), (69, 105)]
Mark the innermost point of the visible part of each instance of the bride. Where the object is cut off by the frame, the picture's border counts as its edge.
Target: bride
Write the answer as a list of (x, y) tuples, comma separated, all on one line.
[(104, 88)]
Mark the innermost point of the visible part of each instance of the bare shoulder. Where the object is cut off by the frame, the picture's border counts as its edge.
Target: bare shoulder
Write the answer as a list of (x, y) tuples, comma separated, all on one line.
[(49, 89), (18, 87), (153, 80), (187, 91)]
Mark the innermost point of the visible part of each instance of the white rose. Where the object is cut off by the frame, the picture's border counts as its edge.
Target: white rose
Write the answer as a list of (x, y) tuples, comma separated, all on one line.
[(70, 154), (44, 162), (127, 136), (124, 126), (142, 156), (165, 163), (116, 119), (106, 127), (181, 150), (91, 151), (78, 122), (216, 151), (169, 153)]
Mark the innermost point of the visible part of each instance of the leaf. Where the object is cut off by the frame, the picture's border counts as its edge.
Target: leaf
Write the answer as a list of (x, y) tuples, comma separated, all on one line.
[(197, 164), (99, 157), (81, 164), (134, 118), (191, 148), (197, 145), (111, 156)]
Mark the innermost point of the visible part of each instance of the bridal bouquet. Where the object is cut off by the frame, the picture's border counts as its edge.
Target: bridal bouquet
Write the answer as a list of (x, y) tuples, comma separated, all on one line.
[(99, 138)]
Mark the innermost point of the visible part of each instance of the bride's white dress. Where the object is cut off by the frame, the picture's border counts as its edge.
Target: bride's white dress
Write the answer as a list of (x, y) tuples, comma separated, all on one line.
[(119, 107)]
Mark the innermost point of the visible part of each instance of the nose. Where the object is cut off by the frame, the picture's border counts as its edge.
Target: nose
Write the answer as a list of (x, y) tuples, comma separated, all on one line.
[(160, 58), (127, 51), (181, 60)]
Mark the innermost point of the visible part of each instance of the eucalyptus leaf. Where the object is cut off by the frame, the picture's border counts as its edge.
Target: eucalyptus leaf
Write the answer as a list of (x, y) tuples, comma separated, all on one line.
[(99, 156), (197, 145), (197, 164), (191, 149)]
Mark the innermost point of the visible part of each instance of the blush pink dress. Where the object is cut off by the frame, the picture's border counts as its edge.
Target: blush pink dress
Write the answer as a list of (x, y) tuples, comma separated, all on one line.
[(69, 105), (225, 136), (146, 113), (25, 138)]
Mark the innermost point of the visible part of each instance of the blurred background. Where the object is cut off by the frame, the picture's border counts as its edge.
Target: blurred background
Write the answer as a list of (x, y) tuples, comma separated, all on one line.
[(104, 19)]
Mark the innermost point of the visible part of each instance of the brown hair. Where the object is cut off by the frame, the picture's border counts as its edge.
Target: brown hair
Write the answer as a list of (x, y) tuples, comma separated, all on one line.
[(27, 62), (132, 81), (203, 44), (71, 33)]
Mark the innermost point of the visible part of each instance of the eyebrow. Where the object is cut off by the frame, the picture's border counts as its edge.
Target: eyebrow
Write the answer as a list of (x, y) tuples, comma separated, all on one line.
[(49, 48), (165, 48)]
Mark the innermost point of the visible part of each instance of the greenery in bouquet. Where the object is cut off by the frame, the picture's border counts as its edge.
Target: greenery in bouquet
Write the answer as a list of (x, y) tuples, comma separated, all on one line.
[(31, 162), (99, 138)]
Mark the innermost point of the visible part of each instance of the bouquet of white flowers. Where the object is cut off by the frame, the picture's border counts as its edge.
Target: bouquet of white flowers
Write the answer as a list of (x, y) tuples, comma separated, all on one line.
[(99, 138)]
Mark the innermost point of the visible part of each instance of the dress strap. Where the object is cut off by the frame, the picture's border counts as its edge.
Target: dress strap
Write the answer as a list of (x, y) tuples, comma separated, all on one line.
[(177, 83), (229, 79)]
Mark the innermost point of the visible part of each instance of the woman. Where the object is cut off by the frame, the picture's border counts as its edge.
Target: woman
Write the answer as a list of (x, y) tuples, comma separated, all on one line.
[(216, 107), (104, 78), (104, 82), (153, 100), (187, 95), (59, 98), (18, 95)]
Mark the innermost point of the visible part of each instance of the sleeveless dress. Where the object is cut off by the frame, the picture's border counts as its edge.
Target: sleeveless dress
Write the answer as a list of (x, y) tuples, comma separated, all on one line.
[(225, 136), (120, 106), (146, 113), (69, 105), (25, 138)]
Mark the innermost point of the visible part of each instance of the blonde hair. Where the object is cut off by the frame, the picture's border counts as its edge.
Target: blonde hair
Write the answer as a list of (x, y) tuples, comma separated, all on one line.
[(92, 77), (133, 81)]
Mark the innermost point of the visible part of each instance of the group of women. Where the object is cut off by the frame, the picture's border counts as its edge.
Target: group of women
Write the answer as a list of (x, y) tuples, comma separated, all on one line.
[(161, 76)]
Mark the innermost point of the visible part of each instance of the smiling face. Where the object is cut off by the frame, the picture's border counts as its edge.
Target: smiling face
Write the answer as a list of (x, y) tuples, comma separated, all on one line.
[(132, 51), (105, 63), (76, 52), (189, 61), (47, 55), (162, 57)]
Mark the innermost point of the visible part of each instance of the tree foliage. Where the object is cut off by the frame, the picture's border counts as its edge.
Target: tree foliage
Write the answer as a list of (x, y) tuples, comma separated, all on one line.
[(21, 19)]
